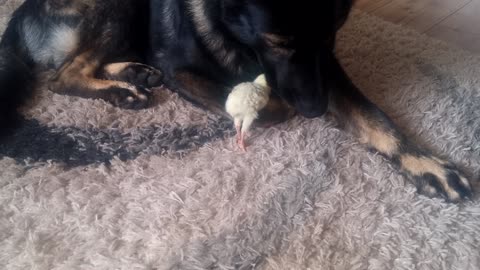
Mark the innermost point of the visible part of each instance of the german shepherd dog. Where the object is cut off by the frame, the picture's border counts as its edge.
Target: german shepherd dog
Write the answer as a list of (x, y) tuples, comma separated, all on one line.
[(118, 50)]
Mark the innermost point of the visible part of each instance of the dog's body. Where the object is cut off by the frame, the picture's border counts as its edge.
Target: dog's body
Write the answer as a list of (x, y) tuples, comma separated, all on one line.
[(202, 48)]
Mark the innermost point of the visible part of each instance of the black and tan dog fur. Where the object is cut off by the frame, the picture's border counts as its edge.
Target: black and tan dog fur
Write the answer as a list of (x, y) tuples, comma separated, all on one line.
[(118, 50), (77, 39)]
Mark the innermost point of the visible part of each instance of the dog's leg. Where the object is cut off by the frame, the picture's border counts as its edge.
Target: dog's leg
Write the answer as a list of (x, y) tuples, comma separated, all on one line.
[(134, 73), (432, 175), (201, 91), (77, 78)]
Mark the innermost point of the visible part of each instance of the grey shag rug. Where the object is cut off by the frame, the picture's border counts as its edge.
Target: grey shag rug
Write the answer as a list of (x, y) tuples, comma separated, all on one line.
[(84, 185)]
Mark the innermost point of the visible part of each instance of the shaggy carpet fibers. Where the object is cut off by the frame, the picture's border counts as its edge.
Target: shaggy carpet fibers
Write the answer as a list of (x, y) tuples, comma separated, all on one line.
[(84, 185)]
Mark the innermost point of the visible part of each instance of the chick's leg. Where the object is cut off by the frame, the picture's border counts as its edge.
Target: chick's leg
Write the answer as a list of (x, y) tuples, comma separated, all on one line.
[(247, 122), (238, 128)]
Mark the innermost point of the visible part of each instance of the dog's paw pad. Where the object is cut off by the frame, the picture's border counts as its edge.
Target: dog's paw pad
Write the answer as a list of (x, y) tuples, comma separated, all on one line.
[(134, 98)]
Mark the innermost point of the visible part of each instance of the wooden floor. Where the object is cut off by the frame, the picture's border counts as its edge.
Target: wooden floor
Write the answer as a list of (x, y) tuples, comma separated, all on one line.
[(454, 21)]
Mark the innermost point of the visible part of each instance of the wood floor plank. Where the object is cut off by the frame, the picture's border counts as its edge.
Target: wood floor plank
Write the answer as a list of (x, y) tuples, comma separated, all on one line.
[(454, 21), (461, 28), (430, 16), (419, 15), (466, 19)]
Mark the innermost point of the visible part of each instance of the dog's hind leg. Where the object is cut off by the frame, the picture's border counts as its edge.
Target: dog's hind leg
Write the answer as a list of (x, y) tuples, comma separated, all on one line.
[(78, 78), (432, 175)]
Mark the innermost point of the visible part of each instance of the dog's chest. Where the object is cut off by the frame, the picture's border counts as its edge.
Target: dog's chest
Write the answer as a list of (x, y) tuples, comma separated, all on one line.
[(50, 45)]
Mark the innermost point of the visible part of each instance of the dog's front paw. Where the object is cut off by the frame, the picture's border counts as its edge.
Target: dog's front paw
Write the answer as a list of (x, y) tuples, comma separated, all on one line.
[(434, 177), (134, 73), (129, 97)]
